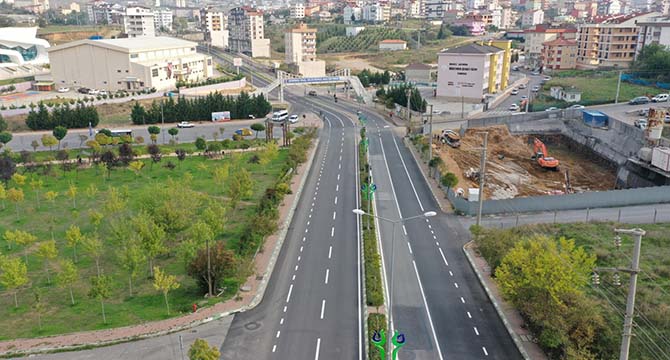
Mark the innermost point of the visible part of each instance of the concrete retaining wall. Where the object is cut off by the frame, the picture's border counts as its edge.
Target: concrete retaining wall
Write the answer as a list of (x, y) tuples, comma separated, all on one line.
[(204, 90)]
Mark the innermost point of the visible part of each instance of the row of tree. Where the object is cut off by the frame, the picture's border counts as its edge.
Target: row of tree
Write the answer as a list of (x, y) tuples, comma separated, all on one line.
[(653, 62), (79, 116), (201, 109), (368, 77), (398, 95)]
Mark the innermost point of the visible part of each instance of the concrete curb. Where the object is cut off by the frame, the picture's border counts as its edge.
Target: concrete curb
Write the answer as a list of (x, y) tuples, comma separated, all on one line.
[(425, 176), (254, 302), (501, 314)]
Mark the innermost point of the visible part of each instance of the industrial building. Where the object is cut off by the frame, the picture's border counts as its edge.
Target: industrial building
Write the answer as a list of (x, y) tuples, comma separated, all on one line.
[(128, 64), (300, 48)]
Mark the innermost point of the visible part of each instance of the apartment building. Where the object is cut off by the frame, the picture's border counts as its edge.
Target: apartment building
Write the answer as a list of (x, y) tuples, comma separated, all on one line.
[(532, 18), (138, 21), (559, 54), (214, 24), (101, 12), (297, 11), (534, 39), (351, 14), (376, 12), (653, 31), (472, 71), (436, 9), (246, 33), (300, 49), (610, 42), (163, 19)]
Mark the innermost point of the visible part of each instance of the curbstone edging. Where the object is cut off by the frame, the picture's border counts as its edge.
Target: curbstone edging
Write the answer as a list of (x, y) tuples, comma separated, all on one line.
[(501, 314)]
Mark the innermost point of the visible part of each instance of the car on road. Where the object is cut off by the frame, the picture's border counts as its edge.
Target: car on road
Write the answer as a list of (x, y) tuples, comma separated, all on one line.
[(522, 86), (535, 73), (243, 132), (103, 92), (515, 68), (83, 90), (514, 107), (536, 88), (639, 100), (643, 112), (312, 93), (576, 106), (641, 123), (546, 78), (63, 89), (185, 125), (93, 92), (514, 92), (660, 98), (293, 119), (553, 108), (524, 97)]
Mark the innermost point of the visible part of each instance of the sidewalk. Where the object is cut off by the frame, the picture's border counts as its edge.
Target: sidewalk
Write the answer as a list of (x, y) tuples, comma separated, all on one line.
[(254, 289)]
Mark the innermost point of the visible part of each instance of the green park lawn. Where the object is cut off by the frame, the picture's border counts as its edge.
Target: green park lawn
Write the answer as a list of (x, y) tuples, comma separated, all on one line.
[(146, 304)]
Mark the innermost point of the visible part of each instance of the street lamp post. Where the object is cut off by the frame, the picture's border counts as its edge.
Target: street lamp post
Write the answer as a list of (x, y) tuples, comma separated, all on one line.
[(394, 222)]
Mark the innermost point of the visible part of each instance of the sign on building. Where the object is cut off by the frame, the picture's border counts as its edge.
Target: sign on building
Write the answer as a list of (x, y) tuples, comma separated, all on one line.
[(221, 116)]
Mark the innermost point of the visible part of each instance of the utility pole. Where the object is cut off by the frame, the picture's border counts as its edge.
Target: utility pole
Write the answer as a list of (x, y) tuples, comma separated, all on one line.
[(630, 302), (430, 133), (528, 99), (162, 122), (618, 87), (409, 113), (482, 177)]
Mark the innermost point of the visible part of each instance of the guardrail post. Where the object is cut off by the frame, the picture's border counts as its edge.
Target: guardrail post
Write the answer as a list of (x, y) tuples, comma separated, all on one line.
[(587, 214), (517, 221), (655, 213), (618, 219), (555, 216)]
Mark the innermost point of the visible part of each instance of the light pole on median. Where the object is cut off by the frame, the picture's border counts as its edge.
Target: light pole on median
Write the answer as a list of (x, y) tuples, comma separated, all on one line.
[(427, 214)]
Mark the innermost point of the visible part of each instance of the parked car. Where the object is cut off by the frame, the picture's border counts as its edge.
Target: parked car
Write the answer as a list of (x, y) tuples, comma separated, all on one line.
[(639, 100), (524, 97), (576, 106), (293, 119), (546, 78), (641, 123), (243, 132), (63, 89), (536, 88), (535, 73), (660, 98), (514, 92), (643, 112), (83, 90), (515, 68), (514, 107), (522, 86), (552, 108), (312, 93), (93, 92), (185, 125), (103, 92)]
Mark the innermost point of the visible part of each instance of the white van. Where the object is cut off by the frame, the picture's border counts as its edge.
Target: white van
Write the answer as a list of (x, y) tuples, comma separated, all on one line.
[(280, 116)]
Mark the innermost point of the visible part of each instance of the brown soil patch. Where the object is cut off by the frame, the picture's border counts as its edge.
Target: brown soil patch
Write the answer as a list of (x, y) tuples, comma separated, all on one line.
[(511, 172), (69, 36)]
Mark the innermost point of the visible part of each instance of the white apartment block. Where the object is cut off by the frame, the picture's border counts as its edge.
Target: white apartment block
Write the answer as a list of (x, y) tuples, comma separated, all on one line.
[(376, 12), (246, 32), (129, 63), (163, 19), (436, 9), (214, 23), (297, 11), (531, 18), (138, 21), (351, 14), (653, 31), (474, 4), (300, 49)]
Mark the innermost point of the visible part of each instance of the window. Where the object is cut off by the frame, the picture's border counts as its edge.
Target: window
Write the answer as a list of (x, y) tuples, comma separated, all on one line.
[(154, 72), (134, 56)]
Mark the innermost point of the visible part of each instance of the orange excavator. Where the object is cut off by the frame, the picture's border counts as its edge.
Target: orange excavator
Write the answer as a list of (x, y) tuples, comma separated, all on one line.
[(541, 155)]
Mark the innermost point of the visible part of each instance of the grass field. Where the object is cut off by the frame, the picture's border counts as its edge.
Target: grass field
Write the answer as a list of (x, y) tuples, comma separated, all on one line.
[(599, 87), (653, 289), (146, 304)]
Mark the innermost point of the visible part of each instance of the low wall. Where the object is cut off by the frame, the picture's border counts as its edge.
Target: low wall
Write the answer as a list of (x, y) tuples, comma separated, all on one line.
[(20, 87), (206, 89)]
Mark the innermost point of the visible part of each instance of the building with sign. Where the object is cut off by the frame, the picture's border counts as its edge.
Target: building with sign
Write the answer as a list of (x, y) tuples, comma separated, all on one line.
[(246, 33), (300, 49), (128, 64), (472, 71)]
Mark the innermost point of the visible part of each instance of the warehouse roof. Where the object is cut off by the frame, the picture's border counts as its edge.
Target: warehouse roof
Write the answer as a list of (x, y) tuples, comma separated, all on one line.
[(143, 43), (472, 49)]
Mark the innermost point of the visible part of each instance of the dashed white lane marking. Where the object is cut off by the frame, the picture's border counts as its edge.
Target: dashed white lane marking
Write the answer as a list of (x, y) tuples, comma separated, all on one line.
[(296, 268), (298, 257), (485, 352), (340, 158), (443, 258), (303, 238), (314, 198), (274, 348), (476, 331), (278, 333), (456, 285), (335, 200), (432, 232), (409, 247), (312, 203), (404, 229), (327, 275), (290, 289), (301, 249), (323, 308), (332, 231), (469, 316), (334, 212), (337, 187), (339, 166), (281, 322), (462, 300), (285, 308), (434, 237), (338, 177), (318, 347), (308, 223), (450, 273), (430, 227), (310, 216), (293, 279), (437, 243), (306, 230), (330, 251)]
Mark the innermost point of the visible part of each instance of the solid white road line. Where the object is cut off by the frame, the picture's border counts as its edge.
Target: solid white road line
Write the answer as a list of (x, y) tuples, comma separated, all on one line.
[(290, 289), (443, 258), (323, 308), (476, 331), (318, 348), (404, 229), (330, 251), (407, 172), (485, 352), (327, 274)]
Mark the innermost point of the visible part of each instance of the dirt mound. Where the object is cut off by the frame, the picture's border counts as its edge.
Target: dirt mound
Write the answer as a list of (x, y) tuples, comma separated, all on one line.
[(511, 172)]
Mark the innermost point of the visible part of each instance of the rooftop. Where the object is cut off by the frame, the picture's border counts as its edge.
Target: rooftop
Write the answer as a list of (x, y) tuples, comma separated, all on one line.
[(393, 41), (418, 66), (547, 29), (560, 42), (472, 49), (144, 43)]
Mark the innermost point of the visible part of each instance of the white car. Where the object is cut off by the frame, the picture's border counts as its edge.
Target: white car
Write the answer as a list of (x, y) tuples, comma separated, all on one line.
[(546, 78), (536, 88), (103, 92), (93, 92), (522, 86), (514, 92), (576, 106), (524, 97), (553, 108), (514, 107), (63, 89), (293, 119), (641, 124), (185, 125), (660, 98)]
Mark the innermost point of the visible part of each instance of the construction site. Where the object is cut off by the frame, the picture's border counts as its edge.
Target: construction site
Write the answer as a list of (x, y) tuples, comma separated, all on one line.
[(525, 165)]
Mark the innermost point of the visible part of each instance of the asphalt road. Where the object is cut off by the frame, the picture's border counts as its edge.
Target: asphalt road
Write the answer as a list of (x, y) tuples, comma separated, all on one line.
[(503, 107), (437, 301)]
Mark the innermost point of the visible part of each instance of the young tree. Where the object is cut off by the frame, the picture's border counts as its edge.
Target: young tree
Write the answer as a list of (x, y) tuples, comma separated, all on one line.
[(3, 195), (155, 153), (101, 289), (222, 264), (16, 196), (269, 153), (257, 127), (3, 123), (36, 185), (173, 132), (93, 245), (91, 191), (131, 257), (152, 237), (5, 138), (126, 153), (39, 307), (221, 174), (214, 215), (49, 141), (201, 234), (13, 276), (164, 283), (95, 218), (68, 276), (47, 251), (24, 239), (138, 115), (19, 179), (74, 237), (136, 167), (59, 132), (181, 154), (72, 194), (7, 168), (153, 133), (240, 186), (200, 144), (34, 144), (200, 350), (51, 196)]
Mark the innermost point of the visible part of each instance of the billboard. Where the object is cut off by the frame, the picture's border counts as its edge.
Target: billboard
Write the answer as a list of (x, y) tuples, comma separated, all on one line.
[(313, 80), (237, 62), (221, 116)]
